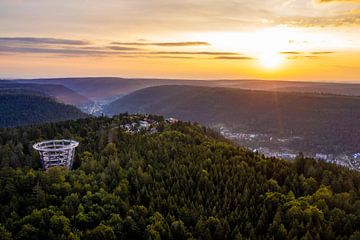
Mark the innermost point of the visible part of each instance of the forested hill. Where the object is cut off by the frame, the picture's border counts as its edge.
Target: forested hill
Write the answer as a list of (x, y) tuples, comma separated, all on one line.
[(105, 87), (321, 122), (57, 91), (22, 107), (182, 182)]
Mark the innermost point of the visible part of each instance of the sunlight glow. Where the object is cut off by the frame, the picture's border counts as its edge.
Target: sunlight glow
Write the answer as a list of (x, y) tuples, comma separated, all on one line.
[(271, 60), (265, 44)]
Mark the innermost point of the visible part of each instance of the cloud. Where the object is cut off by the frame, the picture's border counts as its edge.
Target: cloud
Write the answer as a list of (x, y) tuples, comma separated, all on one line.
[(170, 57), (181, 44), (99, 51), (336, 21), (314, 53), (196, 53), (328, 1), (56, 46), (321, 52), (295, 54), (234, 58), (69, 48), (117, 48), (163, 44), (302, 57), (291, 53), (34, 40), (354, 11), (51, 50), (306, 55)]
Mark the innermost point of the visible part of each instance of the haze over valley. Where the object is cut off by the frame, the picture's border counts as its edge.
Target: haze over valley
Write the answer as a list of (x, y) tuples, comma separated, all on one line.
[(275, 118)]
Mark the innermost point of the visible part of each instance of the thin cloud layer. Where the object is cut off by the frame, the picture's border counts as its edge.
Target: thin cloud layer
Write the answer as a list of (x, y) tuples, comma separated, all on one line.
[(234, 58), (305, 55), (313, 53), (196, 53), (322, 52), (35, 40), (69, 48), (62, 51), (165, 17), (294, 57), (118, 48), (291, 53), (336, 21), (163, 44), (328, 1)]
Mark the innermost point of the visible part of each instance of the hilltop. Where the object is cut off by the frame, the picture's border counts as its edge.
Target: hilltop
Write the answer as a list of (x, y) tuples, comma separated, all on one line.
[(98, 88), (309, 122), (23, 107), (181, 182), (57, 91)]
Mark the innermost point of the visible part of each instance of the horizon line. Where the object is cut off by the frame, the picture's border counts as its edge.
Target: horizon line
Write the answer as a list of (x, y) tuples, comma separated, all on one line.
[(187, 79)]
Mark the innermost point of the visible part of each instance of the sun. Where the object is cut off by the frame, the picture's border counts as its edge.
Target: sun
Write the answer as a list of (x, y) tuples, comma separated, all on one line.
[(271, 60), (265, 45)]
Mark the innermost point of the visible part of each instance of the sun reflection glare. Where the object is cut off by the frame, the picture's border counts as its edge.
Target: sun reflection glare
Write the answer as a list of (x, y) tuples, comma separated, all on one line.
[(271, 60)]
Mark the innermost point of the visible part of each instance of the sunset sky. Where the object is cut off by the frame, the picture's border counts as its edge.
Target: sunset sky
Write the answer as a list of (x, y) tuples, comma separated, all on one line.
[(316, 40)]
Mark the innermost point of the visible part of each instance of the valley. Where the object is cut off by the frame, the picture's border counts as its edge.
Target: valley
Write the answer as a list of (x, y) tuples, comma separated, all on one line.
[(271, 146), (258, 119), (269, 117)]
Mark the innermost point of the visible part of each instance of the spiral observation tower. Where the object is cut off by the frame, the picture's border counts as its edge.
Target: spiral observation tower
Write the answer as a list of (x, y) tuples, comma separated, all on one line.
[(56, 152)]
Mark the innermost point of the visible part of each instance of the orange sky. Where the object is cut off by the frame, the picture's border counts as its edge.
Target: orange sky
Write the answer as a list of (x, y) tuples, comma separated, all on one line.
[(205, 39)]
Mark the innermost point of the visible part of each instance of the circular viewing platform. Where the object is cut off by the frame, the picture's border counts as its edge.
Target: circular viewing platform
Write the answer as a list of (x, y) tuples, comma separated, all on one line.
[(56, 152)]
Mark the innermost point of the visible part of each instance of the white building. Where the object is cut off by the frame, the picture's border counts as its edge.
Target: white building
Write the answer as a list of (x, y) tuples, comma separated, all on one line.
[(171, 120), (321, 156), (144, 124)]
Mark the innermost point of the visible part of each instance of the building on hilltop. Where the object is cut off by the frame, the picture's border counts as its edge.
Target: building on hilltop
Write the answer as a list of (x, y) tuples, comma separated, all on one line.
[(171, 120)]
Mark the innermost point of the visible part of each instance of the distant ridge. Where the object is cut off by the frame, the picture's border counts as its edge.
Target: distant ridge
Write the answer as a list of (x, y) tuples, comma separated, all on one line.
[(327, 122), (20, 107), (57, 91), (96, 88)]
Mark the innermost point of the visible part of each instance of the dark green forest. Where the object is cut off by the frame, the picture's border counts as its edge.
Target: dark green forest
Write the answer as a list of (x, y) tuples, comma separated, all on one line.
[(56, 91), (184, 182), (23, 107), (323, 123)]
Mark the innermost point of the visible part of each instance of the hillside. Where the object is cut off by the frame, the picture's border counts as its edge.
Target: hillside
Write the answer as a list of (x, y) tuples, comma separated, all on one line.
[(347, 89), (180, 183), (98, 88), (308, 122), (59, 92), (22, 107)]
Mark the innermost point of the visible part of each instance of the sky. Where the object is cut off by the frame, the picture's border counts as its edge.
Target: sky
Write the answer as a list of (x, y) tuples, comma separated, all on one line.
[(306, 40)]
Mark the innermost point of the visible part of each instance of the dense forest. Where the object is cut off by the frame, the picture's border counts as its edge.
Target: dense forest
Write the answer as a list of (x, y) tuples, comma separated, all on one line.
[(23, 107), (183, 182), (57, 91), (318, 122)]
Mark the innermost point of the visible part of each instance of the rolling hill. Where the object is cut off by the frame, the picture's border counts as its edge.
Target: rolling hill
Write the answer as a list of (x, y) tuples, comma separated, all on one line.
[(314, 122), (25, 107), (182, 182), (57, 91), (98, 88)]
